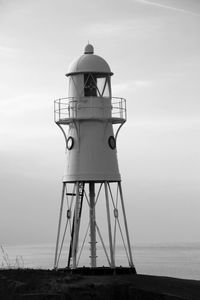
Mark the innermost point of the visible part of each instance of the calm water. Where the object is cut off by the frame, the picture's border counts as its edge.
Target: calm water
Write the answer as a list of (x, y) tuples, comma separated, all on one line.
[(182, 261)]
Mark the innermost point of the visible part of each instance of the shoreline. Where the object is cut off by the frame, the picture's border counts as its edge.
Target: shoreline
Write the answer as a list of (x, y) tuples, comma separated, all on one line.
[(51, 284)]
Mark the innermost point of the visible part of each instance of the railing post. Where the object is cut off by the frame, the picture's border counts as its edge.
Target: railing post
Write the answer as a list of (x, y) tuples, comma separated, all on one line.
[(121, 109), (76, 108), (68, 107), (55, 111), (125, 109), (59, 108), (111, 107)]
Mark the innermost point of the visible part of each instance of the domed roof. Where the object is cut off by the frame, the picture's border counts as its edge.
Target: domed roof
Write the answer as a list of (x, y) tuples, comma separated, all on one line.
[(89, 63)]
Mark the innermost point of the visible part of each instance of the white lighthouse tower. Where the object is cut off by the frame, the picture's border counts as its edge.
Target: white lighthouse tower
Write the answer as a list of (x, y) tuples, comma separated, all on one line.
[(90, 119)]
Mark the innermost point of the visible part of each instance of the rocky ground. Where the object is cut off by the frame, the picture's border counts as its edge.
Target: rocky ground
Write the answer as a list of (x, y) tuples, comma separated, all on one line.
[(36, 284)]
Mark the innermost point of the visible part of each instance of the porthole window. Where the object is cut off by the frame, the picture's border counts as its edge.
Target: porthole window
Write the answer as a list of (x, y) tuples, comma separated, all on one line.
[(70, 143), (112, 142)]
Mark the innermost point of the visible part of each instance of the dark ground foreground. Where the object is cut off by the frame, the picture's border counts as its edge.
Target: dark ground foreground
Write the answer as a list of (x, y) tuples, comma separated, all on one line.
[(21, 284)]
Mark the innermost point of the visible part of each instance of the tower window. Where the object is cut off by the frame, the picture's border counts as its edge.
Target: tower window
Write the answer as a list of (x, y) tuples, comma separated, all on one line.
[(90, 86), (96, 85)]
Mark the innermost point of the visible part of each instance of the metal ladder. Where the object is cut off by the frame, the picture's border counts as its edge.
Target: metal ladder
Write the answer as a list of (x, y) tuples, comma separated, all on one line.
[(77, 212)]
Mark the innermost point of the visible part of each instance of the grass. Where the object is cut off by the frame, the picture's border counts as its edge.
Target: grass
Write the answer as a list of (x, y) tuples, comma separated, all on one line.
[(6, 263)]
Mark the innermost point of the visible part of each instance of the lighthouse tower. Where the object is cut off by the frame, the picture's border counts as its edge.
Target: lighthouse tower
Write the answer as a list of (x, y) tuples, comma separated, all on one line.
[(90, 120)]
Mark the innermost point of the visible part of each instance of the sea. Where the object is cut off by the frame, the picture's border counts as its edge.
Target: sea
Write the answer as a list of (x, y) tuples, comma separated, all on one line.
[(172, 260)]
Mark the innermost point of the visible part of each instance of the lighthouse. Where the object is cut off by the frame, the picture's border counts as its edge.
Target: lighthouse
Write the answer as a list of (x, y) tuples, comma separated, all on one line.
[(90, 120)]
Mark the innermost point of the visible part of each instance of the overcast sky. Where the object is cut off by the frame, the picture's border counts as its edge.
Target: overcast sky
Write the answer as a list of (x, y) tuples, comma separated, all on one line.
[(153, 48)]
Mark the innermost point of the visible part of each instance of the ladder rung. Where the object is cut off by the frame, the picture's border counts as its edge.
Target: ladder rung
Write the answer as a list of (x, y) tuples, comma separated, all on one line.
[(70, 194)]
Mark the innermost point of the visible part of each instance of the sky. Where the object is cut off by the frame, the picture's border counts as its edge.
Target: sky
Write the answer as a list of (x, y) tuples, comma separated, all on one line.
[(153, 49)]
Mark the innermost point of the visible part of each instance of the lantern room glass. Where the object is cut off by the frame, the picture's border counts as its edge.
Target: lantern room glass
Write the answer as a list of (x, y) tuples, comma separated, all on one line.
[(96, 85)]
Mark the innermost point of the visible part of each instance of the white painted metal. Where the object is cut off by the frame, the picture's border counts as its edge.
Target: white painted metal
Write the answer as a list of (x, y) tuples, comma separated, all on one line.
[(59, 226), (76, 229), (89, 63), (91, 158), (91, 161), (77, 219), (109, 226), (92, 225), (89, 49), (126, 226), (104, 247), (67, 110)]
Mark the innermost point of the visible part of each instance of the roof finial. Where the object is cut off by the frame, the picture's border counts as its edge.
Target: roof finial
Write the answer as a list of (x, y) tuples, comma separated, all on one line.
[(89, 49)]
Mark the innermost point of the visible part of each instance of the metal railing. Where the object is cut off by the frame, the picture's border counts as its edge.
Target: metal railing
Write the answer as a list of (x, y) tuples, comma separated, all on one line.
[(66, 110), (118, 109)]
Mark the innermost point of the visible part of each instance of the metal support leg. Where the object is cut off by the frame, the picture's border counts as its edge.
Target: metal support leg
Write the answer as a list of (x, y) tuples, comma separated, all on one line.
[(126, 226), (109, 226), (59, 226), (76, 228), (92, 225)]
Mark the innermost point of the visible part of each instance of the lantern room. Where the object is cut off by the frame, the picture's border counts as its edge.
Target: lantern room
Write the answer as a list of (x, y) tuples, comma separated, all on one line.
[(89, 76)]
